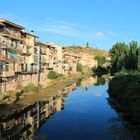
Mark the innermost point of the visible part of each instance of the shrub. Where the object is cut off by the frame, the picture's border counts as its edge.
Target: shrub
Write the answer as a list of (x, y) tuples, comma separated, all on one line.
[(32, 88), (100, 81), (101, 60), (79, 67), (52, 75), (125, 89)]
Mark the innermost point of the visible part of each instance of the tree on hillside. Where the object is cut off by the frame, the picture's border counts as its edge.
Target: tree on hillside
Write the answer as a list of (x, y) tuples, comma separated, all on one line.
[(87, 45), (101, 60)]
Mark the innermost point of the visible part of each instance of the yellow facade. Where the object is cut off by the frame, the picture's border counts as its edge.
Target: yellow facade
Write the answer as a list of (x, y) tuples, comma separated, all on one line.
[(24, 61)]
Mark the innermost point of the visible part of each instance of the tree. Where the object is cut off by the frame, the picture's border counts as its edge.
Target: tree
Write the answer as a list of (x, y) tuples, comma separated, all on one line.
[(133, 54), (125, 57), (138, 59), (118, 53), (101, 60), (87, 45), (133, 47)]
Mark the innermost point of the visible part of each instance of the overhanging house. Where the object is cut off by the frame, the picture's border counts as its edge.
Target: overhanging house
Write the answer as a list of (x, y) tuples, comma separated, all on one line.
[(10, 39), (24, 60)]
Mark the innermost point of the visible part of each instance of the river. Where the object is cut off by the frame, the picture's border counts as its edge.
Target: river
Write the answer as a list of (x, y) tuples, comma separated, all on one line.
[(79, 112), (86, 116)]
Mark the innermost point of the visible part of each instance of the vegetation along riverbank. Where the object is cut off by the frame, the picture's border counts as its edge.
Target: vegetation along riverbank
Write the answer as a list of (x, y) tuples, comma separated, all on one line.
[(124, 88), (32, 93)]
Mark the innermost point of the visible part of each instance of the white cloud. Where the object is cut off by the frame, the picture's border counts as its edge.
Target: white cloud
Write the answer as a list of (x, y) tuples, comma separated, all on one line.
[(99, 34), (69, 24), (59, 27), (110, 33), (71, 29)]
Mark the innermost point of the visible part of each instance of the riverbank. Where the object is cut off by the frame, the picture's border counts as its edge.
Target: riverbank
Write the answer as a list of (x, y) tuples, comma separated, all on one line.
[(32, 93), (125, 90)]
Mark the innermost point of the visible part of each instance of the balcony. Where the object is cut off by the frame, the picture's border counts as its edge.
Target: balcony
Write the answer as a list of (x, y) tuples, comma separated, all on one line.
[(8, 73), (28, 70), (5, 58), (23, 50), (9, 47), (11, 34)]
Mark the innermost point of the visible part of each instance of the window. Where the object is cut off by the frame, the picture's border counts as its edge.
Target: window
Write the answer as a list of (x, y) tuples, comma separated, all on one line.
[(35, 58), (1, 67), (7, 67)]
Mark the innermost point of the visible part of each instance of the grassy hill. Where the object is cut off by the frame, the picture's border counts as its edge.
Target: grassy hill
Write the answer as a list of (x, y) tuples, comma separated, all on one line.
[(84, 50)]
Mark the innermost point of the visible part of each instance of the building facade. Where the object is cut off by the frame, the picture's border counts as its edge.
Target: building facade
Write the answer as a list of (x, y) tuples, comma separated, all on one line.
[(24, 60)]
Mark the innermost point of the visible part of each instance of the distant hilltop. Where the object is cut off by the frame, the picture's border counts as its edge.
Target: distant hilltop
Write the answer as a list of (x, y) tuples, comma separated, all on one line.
[(86, 50)]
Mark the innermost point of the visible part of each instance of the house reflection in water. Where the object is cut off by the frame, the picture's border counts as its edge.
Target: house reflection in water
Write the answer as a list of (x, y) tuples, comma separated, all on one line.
[(88, 82), (22, 125)]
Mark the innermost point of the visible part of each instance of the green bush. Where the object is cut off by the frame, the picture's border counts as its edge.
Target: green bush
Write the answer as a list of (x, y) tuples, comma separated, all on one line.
[(52, 75), (101, 60), (79, 67), (100, 81), (32, 88), (125, 89)]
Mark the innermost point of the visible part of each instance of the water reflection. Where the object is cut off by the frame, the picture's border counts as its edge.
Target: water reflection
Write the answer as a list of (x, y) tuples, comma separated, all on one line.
[(22, 125), (86, 115), (122, 132), (100, 81)]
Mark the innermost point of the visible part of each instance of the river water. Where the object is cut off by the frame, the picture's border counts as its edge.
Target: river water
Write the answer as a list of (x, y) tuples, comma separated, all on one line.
[(86, 116), (80, 111)]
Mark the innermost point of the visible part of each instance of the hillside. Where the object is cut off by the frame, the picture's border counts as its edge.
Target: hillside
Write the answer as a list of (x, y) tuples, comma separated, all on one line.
[(89, 51)]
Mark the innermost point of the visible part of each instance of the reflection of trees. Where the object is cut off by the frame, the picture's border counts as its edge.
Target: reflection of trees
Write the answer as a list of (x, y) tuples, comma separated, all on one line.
[(121, 129), (119, 132), (78, 83), (100, 81)]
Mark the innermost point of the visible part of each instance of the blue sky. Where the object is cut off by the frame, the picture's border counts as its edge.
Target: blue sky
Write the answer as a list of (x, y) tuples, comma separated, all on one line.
[(100, 22)]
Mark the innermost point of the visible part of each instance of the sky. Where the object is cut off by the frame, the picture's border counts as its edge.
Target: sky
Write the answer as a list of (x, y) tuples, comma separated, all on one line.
[(101, 23)]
